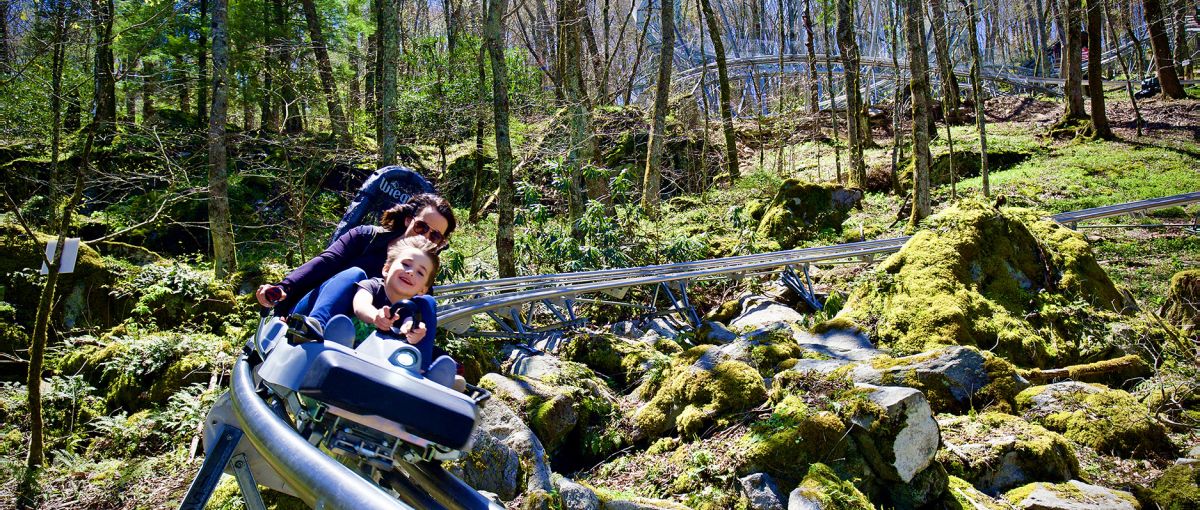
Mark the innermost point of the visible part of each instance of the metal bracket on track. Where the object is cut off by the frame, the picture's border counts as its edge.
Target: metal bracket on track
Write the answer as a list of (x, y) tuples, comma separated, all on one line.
[(245, 481), (210, 471), (803, 287)]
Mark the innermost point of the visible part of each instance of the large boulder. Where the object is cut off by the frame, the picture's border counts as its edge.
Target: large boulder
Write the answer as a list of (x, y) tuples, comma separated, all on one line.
[(693, 395), (821, 489), (1003, 280), (896, 432), (575, 496), (626, 362), (1072, 495), (507, 457), (1093, 415), (1178, 488), (85, 291), (759, 311), (997, 452), (838, 343), (950, 377), (799, 210), (1182, 306), (761, 492), (792, 437)]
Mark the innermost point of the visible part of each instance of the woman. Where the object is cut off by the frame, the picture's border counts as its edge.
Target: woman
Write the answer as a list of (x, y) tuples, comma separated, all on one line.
[(364, 247)]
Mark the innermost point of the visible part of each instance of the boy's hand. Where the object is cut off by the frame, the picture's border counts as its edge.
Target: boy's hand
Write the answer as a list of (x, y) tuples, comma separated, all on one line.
[(383, 319), (413, 332)]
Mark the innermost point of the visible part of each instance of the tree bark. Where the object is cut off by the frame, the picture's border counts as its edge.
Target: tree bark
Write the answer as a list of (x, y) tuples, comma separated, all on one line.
[(848, 45), (651, 181), (220, 224), (293, 121), (1168, 76), (1073, 57), (149, 79), (325, 70), (814, 98), (5, 46), (919, 69), (494, 38), (1112, 34), (480, 110), (1095, 16), (202, 69), (977, 92), (389, 62), (951, 95), (1182, 53), (104, 95), (581, 149), (714, 31)]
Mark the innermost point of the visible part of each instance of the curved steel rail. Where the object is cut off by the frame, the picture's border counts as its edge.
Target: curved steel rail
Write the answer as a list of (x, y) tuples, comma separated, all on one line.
[(321, 481)]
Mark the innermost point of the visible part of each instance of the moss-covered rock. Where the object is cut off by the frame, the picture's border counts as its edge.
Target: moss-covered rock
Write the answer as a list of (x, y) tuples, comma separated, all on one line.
[(1003, 280), (12, 337), (961, 495), (82, 295), (1073, 495), (172, 295), (801, 209), (625, 362), (1182, 306), (1090, 414), (997, 452), (135, 370), (1125, 370), (964, 165), (792, 437), (823, 489), (695, 395), (1177, 489)]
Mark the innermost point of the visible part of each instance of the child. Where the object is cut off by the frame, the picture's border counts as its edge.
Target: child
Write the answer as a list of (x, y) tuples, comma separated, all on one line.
[(412, 263)]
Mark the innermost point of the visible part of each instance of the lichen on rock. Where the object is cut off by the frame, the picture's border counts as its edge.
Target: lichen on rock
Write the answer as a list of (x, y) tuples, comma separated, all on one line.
[(1004, 280), (822, 489), (1182, 306)]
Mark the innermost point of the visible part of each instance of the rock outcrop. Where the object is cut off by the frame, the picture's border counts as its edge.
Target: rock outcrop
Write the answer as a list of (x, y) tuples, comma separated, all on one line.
[(1072, 495), (1093, 415), (801, 209), (996, 452)]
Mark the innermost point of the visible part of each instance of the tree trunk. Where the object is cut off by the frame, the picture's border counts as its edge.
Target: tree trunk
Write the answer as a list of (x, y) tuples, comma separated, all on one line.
[(1182, 53), (389, 63), (477, 192), (950, 94), (1073, 56), (814, 98), (637, 56), (325, 70), (1095, 16), (848, 45), (148, 88), (602, 97), (651, 181), (293, 121), (5, 46), (1112, 34), (582, 145), (1140, 52), (919, 69), (202, 68), (220, 224), (1168, 77), (494, 38), (832, 93), (1040, 18), (104, 95), (897, 88), (714, 31), (977, 92)]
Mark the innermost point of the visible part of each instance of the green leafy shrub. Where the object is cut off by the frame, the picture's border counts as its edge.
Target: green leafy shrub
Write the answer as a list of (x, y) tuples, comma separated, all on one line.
[(173, 295)]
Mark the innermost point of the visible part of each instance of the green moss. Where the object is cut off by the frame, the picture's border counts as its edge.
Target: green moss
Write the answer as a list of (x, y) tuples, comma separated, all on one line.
[(1182, 306), (835, 323), (821, 484), (1002, 280), (725, 312), (691, 398), (799, 210), (1178, 488), (1107, 420), (961, 495), (623, 361), (1037, 452), (18, 268), (1004, 383), (792, 437)]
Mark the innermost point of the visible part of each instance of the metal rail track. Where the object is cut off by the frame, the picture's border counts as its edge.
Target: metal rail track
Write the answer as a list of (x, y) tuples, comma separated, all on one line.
[(503, 295)]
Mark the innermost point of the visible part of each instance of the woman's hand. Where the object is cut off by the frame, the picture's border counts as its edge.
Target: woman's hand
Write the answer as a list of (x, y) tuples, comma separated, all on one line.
[(413, 332), (269, 295), (383, 319)]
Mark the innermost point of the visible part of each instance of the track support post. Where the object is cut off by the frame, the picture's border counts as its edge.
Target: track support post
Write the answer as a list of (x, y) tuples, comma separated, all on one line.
[(214, 464)]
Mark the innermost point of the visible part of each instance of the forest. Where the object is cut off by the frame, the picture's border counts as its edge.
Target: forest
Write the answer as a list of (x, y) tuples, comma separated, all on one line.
[(709, 254)]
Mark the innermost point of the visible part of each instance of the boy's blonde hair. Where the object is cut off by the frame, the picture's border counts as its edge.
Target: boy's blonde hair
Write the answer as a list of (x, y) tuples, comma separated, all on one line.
[(421, 244)]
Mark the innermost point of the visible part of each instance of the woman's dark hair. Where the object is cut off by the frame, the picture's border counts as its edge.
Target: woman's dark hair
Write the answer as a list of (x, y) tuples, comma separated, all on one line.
[(394, 219)]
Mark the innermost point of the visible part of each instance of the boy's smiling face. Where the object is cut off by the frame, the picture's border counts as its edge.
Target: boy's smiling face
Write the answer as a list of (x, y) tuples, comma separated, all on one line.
[(407, 275)]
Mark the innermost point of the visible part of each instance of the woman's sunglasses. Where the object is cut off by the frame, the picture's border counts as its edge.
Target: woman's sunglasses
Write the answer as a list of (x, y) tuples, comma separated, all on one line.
[(433, 235)]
